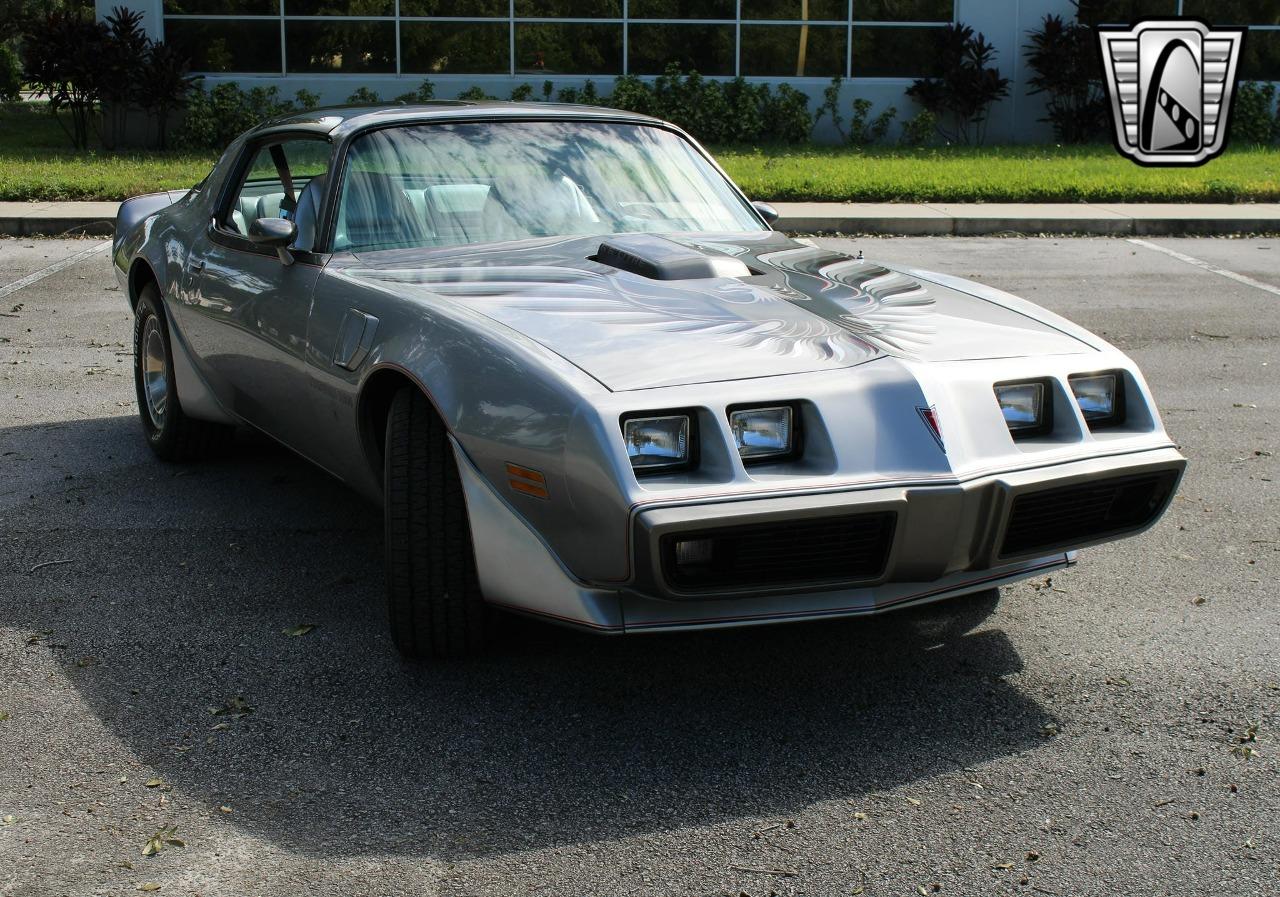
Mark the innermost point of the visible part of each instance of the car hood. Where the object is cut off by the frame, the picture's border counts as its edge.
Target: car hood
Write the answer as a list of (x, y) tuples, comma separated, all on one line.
[(795, 308)]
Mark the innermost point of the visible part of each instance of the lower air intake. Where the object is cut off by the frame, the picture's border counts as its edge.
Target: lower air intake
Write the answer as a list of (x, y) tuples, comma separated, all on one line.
[(1057, 519), (795, 553)]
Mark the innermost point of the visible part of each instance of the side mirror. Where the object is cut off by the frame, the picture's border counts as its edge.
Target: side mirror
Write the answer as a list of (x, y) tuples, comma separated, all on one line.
[(275, 232), (767, 212)]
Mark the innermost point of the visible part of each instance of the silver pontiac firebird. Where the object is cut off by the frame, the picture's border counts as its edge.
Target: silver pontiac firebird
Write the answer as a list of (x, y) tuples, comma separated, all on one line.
[(588, 382)]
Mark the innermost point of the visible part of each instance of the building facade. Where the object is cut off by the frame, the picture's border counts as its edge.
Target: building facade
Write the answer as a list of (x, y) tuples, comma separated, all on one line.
[(332, 47)]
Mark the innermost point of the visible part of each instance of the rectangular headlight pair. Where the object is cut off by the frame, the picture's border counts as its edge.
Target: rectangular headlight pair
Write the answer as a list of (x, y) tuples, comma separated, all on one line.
[(1028, 407), (1100, 397), (668, 441)]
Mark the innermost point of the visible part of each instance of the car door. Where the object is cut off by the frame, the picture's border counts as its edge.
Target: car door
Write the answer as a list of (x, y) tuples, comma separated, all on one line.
[(248, 305)]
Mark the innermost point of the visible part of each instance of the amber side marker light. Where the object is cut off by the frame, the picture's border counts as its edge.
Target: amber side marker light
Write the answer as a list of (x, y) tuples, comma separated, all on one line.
[(527, 481)]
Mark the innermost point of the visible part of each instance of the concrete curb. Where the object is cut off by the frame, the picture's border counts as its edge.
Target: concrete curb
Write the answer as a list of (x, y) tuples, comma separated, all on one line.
[(985, 219), (21, 219)]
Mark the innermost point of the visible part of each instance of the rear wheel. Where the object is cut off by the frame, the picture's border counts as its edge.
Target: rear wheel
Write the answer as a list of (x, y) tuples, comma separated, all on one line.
[(433, 593), (172, 435)]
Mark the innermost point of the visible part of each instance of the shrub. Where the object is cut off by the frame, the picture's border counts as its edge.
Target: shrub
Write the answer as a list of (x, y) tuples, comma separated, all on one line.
[(786, 115), (919, 129), (305, 99), (166, 84), (425, 93), (864, 130), (475, 93), (631, 95), (522, 93), (1064, 57), (216, 117), (713, 111), (363, 96), (962, 95), (10, 75), (1255, 118)]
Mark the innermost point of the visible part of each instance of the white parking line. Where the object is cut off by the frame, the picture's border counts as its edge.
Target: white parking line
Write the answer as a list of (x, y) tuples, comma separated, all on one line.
[(1206, 266), (11, 288)]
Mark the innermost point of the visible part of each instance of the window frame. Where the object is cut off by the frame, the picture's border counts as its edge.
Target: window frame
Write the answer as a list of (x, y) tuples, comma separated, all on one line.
[(232, 187)]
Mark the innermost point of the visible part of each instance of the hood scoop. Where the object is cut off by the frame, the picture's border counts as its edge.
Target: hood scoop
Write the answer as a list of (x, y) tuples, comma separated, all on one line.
[(658, 258)]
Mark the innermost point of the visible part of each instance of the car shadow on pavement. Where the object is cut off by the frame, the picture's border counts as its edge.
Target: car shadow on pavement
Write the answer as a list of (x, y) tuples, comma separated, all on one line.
[(177, 617)]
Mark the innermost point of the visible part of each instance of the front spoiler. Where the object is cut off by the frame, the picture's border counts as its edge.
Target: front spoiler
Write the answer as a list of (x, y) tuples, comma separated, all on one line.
[(519, 572)]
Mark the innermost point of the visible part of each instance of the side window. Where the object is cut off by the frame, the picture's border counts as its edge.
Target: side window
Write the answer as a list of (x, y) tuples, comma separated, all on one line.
[(285, 179)]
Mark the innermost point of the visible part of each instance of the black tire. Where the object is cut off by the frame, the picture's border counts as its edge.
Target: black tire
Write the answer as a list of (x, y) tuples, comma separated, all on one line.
[(433, 594), (952, 618), (172, 435)]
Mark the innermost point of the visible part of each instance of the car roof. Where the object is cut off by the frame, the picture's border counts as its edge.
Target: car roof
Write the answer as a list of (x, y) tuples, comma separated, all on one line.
[(339, 121)]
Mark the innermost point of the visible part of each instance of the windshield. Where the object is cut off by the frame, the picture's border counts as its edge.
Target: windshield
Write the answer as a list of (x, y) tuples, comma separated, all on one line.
[(478, 182)]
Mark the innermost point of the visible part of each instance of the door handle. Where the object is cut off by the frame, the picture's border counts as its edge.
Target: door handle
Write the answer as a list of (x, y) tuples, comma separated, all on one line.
[(196, 267)]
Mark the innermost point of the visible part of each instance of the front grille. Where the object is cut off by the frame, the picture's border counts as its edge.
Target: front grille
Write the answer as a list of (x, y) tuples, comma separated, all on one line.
[(793, 553), (1059, 518)]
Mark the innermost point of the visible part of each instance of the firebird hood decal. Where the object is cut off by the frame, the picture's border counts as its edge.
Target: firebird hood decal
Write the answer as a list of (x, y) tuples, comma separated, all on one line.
[(806, 309)]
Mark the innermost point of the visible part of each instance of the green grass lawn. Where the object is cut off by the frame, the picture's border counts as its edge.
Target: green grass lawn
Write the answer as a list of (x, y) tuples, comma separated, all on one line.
[(36, 164), (997, 174)]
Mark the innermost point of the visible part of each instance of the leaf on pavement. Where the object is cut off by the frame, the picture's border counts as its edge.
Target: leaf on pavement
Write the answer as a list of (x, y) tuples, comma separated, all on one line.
[(234, 706), (300, 630), (9, 819), (148, 886), (153, 783)]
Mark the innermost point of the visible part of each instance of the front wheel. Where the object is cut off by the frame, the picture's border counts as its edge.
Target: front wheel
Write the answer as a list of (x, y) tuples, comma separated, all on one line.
[(172, 435), (433, 593)]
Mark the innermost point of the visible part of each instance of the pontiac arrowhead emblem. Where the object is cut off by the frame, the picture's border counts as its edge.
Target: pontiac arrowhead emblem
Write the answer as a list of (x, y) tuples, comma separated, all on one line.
[(930, 417), (1171, 82)]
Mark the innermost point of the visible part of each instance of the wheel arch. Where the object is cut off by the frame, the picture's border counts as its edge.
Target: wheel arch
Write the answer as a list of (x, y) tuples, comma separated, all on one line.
[(140, 274), (373, 404)]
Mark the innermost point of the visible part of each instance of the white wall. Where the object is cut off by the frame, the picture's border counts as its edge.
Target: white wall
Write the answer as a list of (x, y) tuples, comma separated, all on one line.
[(1004, 22)]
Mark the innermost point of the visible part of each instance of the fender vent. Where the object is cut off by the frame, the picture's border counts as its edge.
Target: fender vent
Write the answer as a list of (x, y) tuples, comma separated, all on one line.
[(661, 259)]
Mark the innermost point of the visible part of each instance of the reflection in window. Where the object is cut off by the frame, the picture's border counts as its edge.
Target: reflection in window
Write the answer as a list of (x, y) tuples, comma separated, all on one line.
[(459, 8), (432, 48), (339, 7), (230, 45), (1122, 12), (221, 8), (569, 9), (1260, 60), (682, 9), (1234, 12), (814, 51), (891, 52), (707, 49), (568, 49), (831, 10), (903, 10), (451, 184), (340, 46)]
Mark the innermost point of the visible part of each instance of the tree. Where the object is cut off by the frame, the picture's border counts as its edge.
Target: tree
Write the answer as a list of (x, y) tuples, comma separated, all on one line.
[(1064, 57), (122, 73), (962, 95), (63, 59)]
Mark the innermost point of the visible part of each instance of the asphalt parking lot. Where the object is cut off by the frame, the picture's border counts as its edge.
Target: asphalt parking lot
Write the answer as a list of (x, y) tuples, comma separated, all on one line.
[(1109, 731)]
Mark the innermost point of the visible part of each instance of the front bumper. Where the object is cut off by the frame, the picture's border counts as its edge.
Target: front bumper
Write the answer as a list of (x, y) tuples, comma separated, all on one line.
[(945, 540)]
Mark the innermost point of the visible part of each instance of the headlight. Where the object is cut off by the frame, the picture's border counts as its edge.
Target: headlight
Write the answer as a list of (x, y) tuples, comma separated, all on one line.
[(763, 433), (658, 443), (1098, 396), (1023, 407)]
